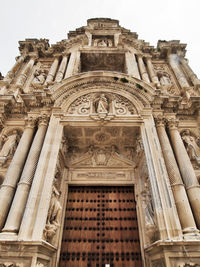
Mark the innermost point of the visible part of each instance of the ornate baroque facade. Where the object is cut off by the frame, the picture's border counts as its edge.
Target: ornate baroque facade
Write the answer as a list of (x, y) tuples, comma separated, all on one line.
[(101, 109)]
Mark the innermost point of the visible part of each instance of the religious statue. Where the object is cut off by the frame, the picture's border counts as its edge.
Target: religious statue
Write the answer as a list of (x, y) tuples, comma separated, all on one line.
[(101, 104), (9, 145), (192, 147), (40, 77), (54, 213)]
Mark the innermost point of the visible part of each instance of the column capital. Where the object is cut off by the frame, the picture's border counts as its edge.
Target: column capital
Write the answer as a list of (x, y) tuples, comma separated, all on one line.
[(30, 122), (160, 121), (172, 123), (43, 119)]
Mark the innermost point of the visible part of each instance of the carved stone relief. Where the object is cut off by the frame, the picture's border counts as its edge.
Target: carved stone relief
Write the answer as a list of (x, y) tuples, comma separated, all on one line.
[(39, 78), (100, 156), (103, 42), (166, 78), (147, 203), (102, 106), (192, 147), (8, 146), (54, 213)]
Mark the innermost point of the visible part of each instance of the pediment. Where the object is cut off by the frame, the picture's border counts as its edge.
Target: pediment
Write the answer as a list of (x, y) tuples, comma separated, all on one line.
[(101, 158)]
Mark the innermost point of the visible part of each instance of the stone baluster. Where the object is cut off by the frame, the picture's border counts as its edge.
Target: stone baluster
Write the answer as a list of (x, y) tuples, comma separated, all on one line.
[(14, 69), (178, 189), (142, 68), (18, 205), (62, 68), (186, 169), (52, 71), (151, 72), (8, 187), (131, 64), (191, 74), (23, 76), (175, 64), (73, 65)]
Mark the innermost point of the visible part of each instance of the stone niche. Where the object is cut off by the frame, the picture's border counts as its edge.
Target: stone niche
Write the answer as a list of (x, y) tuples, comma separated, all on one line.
[(103, 61)]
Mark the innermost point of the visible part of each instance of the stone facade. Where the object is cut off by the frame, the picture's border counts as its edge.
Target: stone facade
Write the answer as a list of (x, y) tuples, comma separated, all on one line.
[(101, 107)]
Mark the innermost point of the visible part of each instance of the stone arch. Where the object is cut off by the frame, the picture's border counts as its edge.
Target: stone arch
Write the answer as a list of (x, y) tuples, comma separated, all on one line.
[(136, 91)]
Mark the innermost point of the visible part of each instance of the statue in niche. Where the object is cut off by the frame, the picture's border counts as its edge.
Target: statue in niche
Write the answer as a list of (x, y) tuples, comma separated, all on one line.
[(40, 77), (54, 214), (101, 104), (192, 147), (9, 145), (164, 79)]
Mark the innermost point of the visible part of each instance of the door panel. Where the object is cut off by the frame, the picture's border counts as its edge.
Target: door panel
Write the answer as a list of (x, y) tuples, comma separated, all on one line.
[(100, 228)]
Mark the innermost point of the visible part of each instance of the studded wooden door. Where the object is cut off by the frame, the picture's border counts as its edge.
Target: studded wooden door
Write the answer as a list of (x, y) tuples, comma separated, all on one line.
[(100, 228)]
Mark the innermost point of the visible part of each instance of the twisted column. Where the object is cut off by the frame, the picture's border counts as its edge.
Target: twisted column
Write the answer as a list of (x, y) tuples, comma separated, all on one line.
[(23, 188), (178, 189), (61, 69), (175, 64), (191, 74), (142, 69), (52, 71), (186, 169), (131, 64), (23, 76), (151, 72), (8, 187)]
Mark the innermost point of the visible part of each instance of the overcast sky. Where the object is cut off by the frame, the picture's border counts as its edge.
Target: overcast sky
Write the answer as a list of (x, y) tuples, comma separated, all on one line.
[(50, 19)]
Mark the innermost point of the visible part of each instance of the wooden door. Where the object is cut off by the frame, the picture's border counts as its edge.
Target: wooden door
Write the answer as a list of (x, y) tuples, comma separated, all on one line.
[(100, 228)]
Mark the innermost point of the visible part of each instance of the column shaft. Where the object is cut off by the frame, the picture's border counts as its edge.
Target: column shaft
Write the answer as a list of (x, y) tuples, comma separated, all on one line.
[(142, 69), (23, 76), (187, 171), (8, 187), (44, 173), (14, 69), (61, 70), (174, 63), (131, 64), (21, 195), (151, 71), (73, 65), (178, 189), (191, 74), (165, 209), (52, 71)]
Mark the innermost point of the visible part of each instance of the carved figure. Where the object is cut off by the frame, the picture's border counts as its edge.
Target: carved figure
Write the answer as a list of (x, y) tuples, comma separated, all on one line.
[(40, 77), (102, 43), (150, 226), (54, 213), (101, 104), (191, 146), (9, 145)]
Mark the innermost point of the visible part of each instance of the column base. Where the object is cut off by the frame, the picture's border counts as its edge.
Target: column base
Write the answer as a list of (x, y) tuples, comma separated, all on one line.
[(173, 253)]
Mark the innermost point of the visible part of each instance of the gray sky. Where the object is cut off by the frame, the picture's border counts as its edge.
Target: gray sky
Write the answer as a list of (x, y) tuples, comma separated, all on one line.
[(52, 19)]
